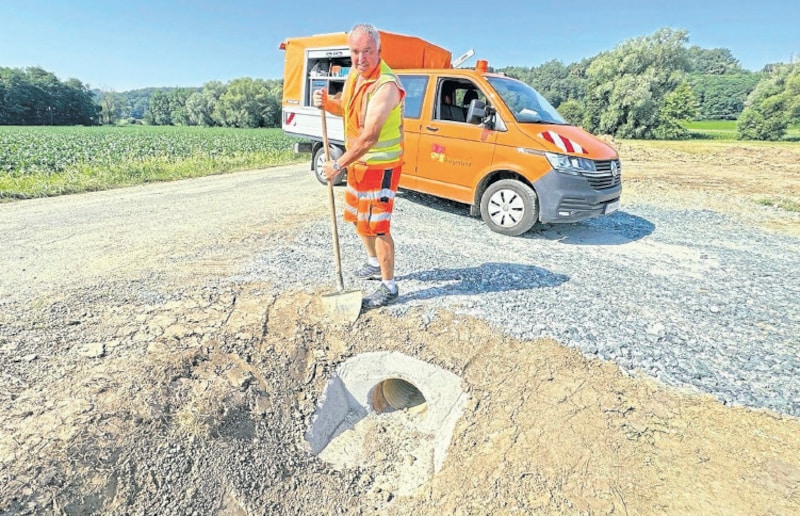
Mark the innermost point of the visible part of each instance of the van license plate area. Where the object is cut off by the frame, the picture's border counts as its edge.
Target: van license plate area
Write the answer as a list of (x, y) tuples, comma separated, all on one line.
[(612, 207)]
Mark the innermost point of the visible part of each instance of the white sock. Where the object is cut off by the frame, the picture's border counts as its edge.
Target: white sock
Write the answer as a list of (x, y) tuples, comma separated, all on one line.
[(390, 284), (373, 260)]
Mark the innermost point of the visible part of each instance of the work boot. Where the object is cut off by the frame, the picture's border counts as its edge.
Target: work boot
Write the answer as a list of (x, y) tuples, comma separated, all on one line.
[(381, 297), (368, 271)]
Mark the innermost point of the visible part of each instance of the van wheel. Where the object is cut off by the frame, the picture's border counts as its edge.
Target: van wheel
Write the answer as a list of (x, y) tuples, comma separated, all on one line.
[(319, 160), (509, 207)]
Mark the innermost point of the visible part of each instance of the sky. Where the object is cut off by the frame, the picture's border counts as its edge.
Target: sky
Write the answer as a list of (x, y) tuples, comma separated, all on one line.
[(120, 45)]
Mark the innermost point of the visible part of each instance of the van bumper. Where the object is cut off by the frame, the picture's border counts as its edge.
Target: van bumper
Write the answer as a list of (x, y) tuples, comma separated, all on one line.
[(567, 198)]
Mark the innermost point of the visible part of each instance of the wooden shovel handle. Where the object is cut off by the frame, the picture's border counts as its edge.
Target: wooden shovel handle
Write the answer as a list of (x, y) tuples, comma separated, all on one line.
[(331, 200)]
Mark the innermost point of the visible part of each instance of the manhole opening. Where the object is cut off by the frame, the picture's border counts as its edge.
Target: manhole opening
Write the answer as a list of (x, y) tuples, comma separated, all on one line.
[(397, 394)]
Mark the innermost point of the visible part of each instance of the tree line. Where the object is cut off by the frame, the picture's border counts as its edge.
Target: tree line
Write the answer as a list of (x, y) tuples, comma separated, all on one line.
[(33, 96), (242, 103), (645, 88), (648, 87)]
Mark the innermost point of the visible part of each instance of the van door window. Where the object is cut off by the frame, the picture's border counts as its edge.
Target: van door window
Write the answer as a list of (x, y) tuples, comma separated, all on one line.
[(453, 99), (415, 86)]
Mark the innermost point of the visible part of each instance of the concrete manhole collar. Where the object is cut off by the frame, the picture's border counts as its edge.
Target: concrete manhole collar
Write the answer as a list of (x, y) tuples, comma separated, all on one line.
[(384, 382)]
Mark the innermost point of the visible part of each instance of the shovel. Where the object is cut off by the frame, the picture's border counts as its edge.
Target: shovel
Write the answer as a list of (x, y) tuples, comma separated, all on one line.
[(344, 306)]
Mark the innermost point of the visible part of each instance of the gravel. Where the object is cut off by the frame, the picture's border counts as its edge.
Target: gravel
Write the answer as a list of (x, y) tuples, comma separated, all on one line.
[(689, 297)]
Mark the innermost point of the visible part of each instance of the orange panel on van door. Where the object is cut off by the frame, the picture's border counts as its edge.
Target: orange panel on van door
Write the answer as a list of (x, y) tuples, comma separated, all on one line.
[(452, 157), (408, 178)]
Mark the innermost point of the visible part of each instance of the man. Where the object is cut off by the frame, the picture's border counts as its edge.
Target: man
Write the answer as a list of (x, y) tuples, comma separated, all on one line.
[(371, 104)]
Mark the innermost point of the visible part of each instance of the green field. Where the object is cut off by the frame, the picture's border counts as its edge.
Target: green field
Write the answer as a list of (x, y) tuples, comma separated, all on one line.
[(712, 129), (47, 161), (726, 130)]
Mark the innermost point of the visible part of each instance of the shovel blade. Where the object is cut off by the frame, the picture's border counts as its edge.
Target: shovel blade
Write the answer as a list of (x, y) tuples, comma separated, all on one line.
[(343, 306)]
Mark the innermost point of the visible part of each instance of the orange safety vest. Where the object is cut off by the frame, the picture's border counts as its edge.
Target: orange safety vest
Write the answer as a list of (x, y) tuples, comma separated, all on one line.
[(388, 151)]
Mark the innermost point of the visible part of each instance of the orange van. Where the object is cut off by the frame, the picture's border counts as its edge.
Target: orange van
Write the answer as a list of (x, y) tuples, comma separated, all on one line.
[(485, 140)]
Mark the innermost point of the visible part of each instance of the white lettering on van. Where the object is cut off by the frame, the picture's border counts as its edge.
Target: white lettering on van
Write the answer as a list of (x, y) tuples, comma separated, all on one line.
[(458, 162)]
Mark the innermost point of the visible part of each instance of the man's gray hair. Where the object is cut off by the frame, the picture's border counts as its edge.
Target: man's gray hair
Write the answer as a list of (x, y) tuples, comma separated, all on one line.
[(369, 30)]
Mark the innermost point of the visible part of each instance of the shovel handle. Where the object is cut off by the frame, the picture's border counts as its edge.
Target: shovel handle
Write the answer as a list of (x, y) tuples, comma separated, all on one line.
[(331, 200)]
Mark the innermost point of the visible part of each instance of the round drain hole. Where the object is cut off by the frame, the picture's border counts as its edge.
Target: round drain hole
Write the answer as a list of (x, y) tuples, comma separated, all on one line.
[(397, 394)]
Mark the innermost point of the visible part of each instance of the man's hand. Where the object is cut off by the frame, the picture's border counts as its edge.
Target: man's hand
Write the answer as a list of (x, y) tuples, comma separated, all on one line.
[(328, 170), (319, 98)]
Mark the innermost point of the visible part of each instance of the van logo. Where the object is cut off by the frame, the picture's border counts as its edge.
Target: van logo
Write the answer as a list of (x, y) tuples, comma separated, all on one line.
[(614, 169), (437, 152)]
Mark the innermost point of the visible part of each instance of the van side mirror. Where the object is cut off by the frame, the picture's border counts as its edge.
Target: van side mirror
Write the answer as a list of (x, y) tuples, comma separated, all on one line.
[(478, 112)]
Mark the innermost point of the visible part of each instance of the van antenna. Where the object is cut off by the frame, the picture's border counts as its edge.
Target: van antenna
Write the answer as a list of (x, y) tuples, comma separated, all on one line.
[(463, 57)]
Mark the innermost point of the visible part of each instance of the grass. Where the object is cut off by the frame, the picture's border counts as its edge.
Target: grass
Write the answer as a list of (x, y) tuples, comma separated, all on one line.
[(712, 129), (783, 204), (726, 130), (50, 161)]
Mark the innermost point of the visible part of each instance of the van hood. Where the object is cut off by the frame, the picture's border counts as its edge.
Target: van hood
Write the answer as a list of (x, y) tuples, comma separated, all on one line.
[(568, 139)]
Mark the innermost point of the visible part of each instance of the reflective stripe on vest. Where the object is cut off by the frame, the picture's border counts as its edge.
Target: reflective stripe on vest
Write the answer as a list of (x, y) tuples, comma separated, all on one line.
[(388, 151)]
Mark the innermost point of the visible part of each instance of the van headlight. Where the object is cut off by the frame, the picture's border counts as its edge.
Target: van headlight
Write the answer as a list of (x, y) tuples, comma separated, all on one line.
[(572, 165)]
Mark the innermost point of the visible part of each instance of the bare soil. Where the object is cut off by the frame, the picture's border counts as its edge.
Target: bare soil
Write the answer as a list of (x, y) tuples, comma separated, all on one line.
[(136, 379)]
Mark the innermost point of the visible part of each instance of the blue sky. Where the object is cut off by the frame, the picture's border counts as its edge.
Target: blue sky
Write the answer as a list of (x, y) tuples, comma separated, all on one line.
[(120, 45)]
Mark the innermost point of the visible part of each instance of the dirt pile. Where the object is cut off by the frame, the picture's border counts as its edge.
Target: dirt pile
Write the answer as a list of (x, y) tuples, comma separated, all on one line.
[(198, 402)]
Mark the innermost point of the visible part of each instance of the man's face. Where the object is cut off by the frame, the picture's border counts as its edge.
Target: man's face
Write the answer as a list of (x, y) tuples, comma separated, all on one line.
[(364, 53)]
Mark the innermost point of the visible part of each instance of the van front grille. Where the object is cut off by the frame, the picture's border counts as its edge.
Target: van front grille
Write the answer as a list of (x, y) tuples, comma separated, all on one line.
[(575, 204), (608, 174)]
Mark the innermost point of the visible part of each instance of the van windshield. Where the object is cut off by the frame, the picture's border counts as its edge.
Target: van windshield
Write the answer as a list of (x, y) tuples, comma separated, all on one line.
[(524, 102)]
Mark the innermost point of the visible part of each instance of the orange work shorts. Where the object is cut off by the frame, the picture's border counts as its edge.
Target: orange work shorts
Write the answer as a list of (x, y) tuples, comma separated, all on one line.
[(369, 199)]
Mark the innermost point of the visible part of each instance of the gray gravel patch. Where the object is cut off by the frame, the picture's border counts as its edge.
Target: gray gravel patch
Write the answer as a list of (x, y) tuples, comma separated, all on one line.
[(689, 297)]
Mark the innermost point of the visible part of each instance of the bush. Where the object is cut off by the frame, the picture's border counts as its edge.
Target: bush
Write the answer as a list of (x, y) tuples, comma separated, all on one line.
[(572, 111)]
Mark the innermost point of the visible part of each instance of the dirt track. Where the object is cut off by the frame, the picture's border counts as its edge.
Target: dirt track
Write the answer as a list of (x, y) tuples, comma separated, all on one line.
[(137, 380)]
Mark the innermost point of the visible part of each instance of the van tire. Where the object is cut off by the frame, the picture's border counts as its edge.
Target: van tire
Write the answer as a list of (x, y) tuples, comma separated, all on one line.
[(319, 160), (509, 207)]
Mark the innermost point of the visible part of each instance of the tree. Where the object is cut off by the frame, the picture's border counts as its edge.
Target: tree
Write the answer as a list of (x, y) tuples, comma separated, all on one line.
[(792, 94), (33, 96), (272, 112), (722, 97), (79, 102), (159, 109), (679, 106), (13, 105), (712, 61), (626, 87), (555, 81), (177, 105), (200, 104), (245, 103), (572, 111), (772, 105), (110, 107), (199, 109)]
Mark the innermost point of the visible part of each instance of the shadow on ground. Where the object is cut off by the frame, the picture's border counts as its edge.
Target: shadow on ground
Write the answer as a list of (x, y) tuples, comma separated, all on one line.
[(618, 228), (615, 229), (488, 277)]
